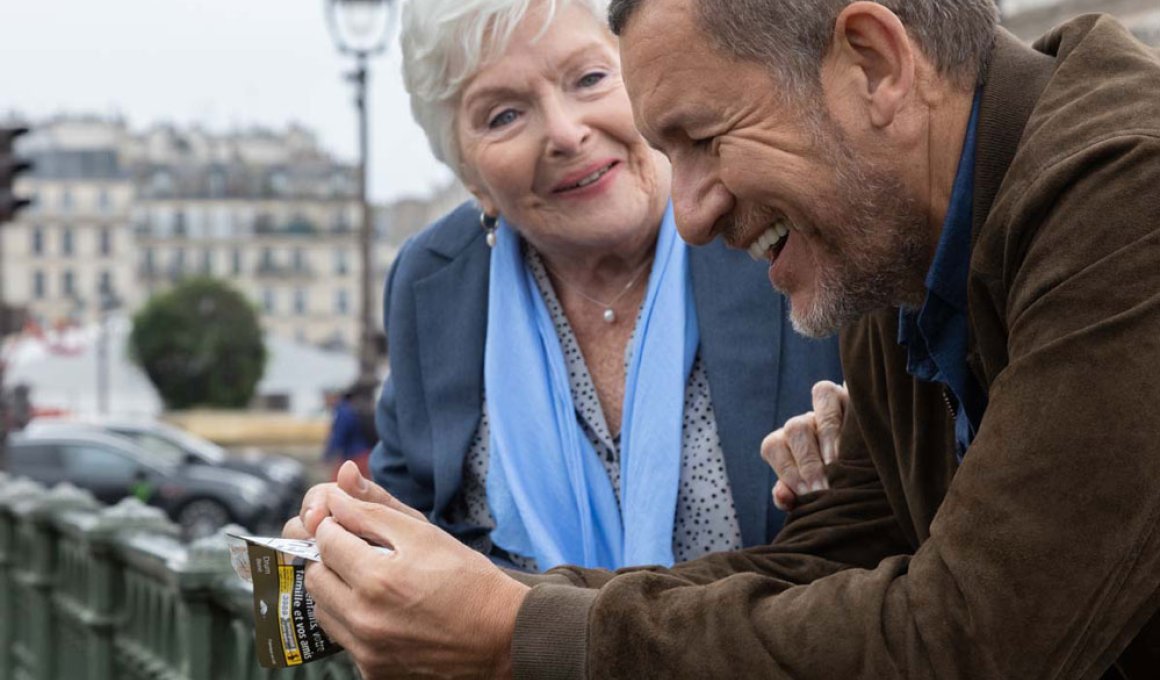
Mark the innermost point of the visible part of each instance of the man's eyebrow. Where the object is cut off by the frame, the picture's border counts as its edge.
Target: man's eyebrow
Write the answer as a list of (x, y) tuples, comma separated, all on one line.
[(662, 129), (652, 146)]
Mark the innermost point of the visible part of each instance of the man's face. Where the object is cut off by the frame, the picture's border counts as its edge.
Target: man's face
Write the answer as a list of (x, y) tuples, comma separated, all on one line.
[(783, 180)]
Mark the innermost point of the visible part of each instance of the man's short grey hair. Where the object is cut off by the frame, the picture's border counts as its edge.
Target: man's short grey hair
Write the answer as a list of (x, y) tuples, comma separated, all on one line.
[(446, 42), (791, 37)]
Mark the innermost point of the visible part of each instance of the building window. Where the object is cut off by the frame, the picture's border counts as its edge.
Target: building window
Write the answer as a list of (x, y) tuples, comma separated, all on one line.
[(279, 183), (103, 201), (67, 284), (269, 301), (263, 223), (222, 227), (106, 238), (299, 301), (207, 262), (217, 184), (341, 302), (179, 226), (341, 222), (341, 262), (161, 184), (299, 262), (38, 285), (200, 221), (66, 200), (178, 266), (236, 261), (105, 282), (148, 260), (267, 259), (38, 240), (66, 241), (340, 185)]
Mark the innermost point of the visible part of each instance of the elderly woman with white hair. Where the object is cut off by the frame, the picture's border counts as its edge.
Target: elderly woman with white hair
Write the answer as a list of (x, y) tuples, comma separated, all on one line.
[(570, 383)]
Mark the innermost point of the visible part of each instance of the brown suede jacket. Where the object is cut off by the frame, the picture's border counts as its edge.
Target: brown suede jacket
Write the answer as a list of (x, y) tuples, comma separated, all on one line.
[(1039, 557)]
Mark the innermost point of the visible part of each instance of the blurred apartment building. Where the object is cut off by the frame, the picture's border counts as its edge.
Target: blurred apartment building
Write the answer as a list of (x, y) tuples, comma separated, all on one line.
[(1030, 19), (120, 215)]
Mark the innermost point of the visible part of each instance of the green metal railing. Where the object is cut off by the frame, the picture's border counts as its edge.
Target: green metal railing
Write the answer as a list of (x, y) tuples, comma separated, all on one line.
[(110, 593)]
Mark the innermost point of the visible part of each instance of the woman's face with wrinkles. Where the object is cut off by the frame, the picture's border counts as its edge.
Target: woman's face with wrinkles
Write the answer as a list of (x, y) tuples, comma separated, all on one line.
[(547, 139)]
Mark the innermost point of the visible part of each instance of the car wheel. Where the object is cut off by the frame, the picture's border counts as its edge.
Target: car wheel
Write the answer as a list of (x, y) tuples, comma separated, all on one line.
[(202, 517)]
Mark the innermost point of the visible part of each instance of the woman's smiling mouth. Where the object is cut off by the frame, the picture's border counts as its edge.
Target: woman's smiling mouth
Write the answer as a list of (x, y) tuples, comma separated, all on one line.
[(590, 177)]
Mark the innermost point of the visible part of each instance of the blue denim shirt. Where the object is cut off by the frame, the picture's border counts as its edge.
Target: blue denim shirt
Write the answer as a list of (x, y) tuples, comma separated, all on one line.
[(935, 335)]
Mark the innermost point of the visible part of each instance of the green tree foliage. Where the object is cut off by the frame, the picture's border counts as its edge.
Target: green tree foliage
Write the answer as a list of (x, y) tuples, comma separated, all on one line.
[(200, 344)]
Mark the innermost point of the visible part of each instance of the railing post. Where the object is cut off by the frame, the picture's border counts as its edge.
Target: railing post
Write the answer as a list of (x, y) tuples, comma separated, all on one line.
[(96, 601), (12, 491), (36, 578), (198, 573)]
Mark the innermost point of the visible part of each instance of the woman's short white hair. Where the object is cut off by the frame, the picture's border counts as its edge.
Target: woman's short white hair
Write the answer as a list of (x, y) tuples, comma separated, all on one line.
[(446, 42)]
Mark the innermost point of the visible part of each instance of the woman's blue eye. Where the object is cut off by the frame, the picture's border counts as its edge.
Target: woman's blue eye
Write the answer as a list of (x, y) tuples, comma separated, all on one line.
[(505, 117), (590, 79)]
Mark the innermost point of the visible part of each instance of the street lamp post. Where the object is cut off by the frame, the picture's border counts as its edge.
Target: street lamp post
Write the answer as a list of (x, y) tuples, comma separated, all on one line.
[(108, 302), (361, 29)]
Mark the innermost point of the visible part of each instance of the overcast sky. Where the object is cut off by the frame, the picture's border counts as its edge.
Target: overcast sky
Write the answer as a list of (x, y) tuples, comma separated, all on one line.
[(222, 63)]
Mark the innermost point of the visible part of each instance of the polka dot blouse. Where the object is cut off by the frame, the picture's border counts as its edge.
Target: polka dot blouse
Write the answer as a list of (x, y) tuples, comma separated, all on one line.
[(705, 521)]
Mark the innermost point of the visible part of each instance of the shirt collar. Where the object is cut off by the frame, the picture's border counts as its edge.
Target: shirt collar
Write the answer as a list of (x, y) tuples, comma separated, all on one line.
[(947, 277)]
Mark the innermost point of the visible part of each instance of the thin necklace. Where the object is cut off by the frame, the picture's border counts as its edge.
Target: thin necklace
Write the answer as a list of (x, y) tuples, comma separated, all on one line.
[(609, 314)]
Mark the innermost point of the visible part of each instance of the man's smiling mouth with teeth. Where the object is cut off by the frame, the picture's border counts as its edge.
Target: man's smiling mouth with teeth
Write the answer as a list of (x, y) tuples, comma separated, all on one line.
[(589, 179), (771, 239)]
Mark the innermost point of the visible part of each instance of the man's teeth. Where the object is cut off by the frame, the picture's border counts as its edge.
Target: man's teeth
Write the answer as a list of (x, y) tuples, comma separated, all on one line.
[(591, 178), (774, 235)]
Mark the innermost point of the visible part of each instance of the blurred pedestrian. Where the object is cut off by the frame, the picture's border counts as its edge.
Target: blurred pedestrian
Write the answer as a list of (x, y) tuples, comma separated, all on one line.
[(352, 430)]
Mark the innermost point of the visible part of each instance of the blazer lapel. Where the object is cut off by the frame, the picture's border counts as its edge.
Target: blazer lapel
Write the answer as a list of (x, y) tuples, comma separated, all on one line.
[(452, 326), (740, 319)]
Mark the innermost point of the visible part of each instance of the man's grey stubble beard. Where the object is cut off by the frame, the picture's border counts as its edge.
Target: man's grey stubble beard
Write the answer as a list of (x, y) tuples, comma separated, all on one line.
[(882, 250)]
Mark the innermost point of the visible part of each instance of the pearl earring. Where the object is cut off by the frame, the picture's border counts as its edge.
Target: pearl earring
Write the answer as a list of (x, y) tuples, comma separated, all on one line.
[(488, 222)]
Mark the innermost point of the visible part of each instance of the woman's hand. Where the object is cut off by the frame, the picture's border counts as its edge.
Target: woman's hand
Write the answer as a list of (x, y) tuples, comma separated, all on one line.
[(800, 450)]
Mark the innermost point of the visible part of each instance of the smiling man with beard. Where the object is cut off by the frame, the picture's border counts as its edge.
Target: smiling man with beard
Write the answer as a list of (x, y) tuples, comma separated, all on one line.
[(979, 219)]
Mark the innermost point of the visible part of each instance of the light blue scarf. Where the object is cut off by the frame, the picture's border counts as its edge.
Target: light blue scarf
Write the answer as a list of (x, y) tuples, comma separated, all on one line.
[(548, 490)]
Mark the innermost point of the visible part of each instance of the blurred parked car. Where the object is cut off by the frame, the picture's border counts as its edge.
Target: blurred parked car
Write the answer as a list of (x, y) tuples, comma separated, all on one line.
[(287, 474), (200, 498)]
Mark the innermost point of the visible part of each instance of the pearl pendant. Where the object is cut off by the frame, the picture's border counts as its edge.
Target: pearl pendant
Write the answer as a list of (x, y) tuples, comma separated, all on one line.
[(491, 238), (609, 316)]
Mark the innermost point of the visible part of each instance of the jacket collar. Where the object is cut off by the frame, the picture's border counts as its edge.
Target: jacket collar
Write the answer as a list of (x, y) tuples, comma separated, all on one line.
[(451, 243), (451, 327), (1016, 77)]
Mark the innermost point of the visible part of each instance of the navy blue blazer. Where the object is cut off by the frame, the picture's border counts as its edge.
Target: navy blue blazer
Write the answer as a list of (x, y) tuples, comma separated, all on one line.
[(435, 311)]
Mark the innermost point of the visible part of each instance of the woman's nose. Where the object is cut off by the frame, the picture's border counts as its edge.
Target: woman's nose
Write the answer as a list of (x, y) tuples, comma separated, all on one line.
[(567, 130)]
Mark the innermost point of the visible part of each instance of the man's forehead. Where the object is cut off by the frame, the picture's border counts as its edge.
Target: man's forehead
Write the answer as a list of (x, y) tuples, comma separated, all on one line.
[(653, 42), (659, 47), (659, 19)]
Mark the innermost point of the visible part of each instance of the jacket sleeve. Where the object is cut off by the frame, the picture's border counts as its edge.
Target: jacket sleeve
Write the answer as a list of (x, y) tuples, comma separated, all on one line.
[(850, 526), (1044, 557)]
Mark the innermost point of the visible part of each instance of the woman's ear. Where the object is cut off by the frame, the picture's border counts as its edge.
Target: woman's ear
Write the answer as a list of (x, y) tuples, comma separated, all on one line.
[(487, 205), (476, 189)]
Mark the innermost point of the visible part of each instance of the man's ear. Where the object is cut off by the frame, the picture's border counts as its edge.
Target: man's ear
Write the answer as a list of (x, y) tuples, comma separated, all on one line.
[(872, 58)]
